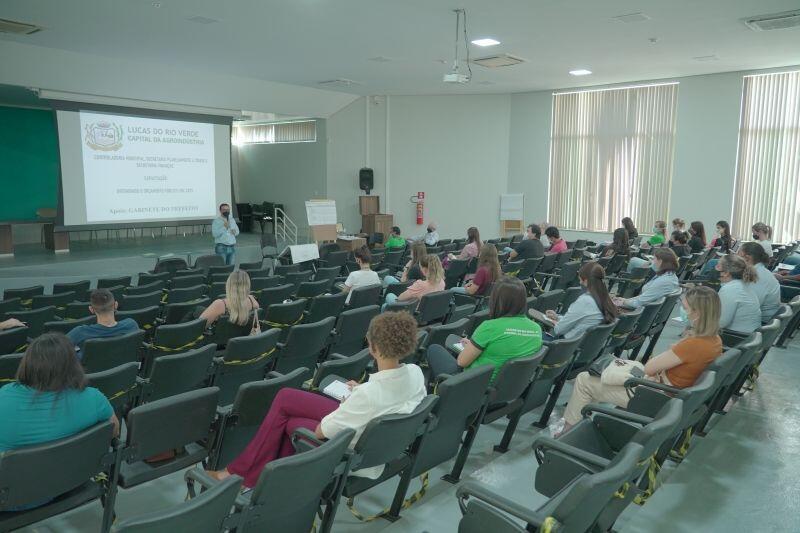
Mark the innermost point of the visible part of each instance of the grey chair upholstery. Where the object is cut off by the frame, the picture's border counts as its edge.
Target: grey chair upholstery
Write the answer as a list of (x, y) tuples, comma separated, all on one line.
[(323, 306), (349, 335), (105, 353), (119, 385), (244, 359), (353, 367), (304, 345), (178, 373), (8, 367)]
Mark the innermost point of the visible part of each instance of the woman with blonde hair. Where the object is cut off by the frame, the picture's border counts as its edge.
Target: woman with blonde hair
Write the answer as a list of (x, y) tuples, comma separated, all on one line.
[(411, 270), (432, 269), (762, 234), (487, 273), (238, 303), (680, 366), (741, 311)]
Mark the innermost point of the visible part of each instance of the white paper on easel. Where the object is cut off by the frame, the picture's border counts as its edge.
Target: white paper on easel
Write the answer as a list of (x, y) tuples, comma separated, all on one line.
[(304, 252), (321, 212), (511, 206)]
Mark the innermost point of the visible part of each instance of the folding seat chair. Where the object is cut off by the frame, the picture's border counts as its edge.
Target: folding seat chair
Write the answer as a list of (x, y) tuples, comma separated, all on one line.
[(184, 294), (546, 267), (463, 306), (630, 284), (365, 296), (738, 373), (455, 272), (283, 270), (303, 346), (79, 288), (791, 325), (592, 346), (238, 422), (258, 284), (349, 335), (439, 333), (147, 278), (209, 512), (460, 242), (35, 319), (24, 294), (391, 260), (575, 509), (244, 359), (352, 367), (76, 469), (529, 267), (178, 373), (216, 290), (548, 301), (626, 323), (119, 384), (657, 327), (275, 295), (409, 306), (643, 325), (195, 280), (12, 304), (570, 295), (147, 318), (271, 507), (76, 310), (433, 307), (505, 399), (181, 424), (203, 262), (327, 273), (139, 301), (310, 289), (387, 440), (398, 288), (65, 326), (175, 313), (254, 265), (377, 259), (102, 354), (475, 320), (155, 286), (769, 333), (174, 338), (724, 368), (350, 265), (170, 264), (512, 268), (323, 306), (335, 259), (296, 278), (107, 283), (223, 330), (564, 276), (8, 368), (219, 270), (59, 301), (616, 264), (284, 316)]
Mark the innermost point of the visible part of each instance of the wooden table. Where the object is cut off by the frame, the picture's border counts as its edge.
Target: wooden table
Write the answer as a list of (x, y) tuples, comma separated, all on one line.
[(350, 245)]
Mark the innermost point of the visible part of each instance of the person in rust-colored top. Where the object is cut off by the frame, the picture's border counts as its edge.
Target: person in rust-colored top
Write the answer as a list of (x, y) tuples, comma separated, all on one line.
[(680, 366)]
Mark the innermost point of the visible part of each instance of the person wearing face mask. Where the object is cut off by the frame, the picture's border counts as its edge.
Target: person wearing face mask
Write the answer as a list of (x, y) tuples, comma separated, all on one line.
[(762, 234), (430, 237), (697, 239), (741, 311), (225, 230), (766, 287), (723, 241), (665, 263)]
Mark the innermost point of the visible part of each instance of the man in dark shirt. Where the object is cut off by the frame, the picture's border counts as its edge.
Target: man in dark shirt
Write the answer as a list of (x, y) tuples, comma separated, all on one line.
[(102, 305), (530, 246)]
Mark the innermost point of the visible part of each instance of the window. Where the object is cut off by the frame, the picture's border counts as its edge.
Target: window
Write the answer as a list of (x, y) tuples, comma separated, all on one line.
[(611, 156), (278, 132), (768, 166)]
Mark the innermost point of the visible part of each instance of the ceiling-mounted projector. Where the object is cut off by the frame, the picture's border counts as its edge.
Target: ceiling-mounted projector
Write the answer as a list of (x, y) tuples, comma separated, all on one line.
[(455, 77)]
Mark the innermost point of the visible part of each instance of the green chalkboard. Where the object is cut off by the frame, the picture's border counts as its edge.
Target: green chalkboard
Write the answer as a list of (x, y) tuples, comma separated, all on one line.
[(28, 162)]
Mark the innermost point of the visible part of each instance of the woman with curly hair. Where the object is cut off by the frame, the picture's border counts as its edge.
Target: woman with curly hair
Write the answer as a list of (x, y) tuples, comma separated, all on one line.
[(396, 388)]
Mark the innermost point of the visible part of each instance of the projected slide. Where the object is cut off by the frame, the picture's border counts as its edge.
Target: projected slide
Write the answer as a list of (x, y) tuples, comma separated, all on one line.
[(142, 168)]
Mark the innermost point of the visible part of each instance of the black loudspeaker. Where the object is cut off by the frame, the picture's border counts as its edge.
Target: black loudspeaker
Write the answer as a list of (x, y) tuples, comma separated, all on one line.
[(365, 180)]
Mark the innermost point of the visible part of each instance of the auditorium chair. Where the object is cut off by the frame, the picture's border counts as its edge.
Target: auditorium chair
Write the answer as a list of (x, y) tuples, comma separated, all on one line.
[(216, 290), (327, 273), (132, 302), (174, 338), (792, 324), (223, 330), (203, 262), (547, 301), (511, 268), (175, 374), (253, 265), (59, 301), (149, 288), (244, 359), (283, 270), (570, 295), (310, 289), (175, 313), (209, 512), (433, 307), (275, 295), (335, 259), (592, 346), (638, 336), (455, 272), (76, 310), (34, 319), (284, 315), (107, 283), (147, 318), (323, 306), (626, 324), (365, 296), (80, 288), (11, 304), (346, 367), (184, 282), (65, 326), (398, 288), (439, 333), (475, 320), (391, 260), (119, 384), (170, 264), (303, 346), (8, 367), (258, 284), (237, 422), (146, 278), (658, 325), (563, 276), (409, 306), (24, 294), (105, 353), (724, 368), (349, 334)]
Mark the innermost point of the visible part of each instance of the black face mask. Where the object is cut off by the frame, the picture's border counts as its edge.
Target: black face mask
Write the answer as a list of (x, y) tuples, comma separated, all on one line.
[(430, 230), (755, 237), (226, 214)]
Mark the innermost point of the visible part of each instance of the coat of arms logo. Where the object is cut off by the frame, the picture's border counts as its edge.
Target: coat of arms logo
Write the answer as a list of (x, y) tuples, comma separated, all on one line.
[(105, 136)]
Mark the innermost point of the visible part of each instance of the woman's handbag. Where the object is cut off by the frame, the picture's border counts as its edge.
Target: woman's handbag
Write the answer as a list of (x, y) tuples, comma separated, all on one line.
[(621, 370), (255, 329)]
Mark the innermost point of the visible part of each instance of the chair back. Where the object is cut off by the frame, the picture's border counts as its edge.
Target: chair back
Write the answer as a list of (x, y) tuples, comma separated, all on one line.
[(106, 353), (175, 338), (79, 288), (176, 313), (649, 314), (433, 307), (353, 367), (12, 304), (570, 295), (185, 294), (245, 359), (626, 323), (562, 258), (514, 377), (175, 374), (35, 319), (170, 264), (592, 346), (325, 305), (140, 301), (724, 366), (296, 278), (108, 283), (284, 315), (275, 295), (259, 283), (208, 260), (456, 270), (146, 278), (304, 345), (665, 311), (58, 300), (156, 286), (351, 329), (327, 273), (8, 368), (118, 384), (365, 296), (23, 293), (475, 320), (548, 301), (254, 265), (225, 330), (568, 275), (283, 270), (146, 318), (65, 326), (310, 289), (336, 259), (438, 334), (76, 310), (553, 368)]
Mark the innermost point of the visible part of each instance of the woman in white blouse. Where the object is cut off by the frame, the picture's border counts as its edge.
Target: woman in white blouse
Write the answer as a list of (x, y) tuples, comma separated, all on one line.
[(593, 307), (740, 310), (766, 287), (762, 234)]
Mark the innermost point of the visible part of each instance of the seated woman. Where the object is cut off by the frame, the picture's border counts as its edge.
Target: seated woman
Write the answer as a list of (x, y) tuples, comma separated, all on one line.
[(619, 244), (472, 247), (680, 366), (665, 263), (627, 223), (433, 272), (678, 224), (593, 307), (697, 237), (658, 238), (396, 241), (396, 388), (238, 303), (364, 276), (488, 272), (766, 287), (740, 309), (762, 235), (557, 244), (679, 244), (723, 240), (507, 334), (49, 399), (411, 270)]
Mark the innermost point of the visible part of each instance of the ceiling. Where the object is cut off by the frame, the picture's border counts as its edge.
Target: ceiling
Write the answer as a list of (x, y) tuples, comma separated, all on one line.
[(304, 42)]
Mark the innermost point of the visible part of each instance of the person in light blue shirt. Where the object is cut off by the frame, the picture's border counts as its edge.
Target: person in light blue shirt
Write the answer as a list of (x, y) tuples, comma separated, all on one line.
[(740, 309), (103, 305), (225, 230), (665, 282), (766, 287), (430, 237)]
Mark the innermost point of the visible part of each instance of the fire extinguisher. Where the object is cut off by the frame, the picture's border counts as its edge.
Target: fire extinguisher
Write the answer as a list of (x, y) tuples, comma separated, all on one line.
[(419, 199)]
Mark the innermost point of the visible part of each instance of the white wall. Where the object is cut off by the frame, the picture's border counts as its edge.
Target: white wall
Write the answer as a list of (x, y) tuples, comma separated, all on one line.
[(345, 156)]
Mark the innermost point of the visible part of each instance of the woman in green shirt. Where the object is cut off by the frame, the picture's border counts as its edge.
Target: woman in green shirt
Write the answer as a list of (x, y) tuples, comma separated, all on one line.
[(395, 242), (507, 334)]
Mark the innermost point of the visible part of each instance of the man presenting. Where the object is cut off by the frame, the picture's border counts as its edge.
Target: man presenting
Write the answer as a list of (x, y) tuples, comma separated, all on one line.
[(225, 230)]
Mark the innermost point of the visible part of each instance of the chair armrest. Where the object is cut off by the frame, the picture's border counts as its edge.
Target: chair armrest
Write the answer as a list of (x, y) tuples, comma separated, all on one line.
[(274, 374), (616, 413), (338, 356), (199, 476), (304, 439), (635, 382), (549, 443), (472, 489)]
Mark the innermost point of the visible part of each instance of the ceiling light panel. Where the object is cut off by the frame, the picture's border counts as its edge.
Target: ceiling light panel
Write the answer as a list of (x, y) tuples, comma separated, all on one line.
[(485, 42)]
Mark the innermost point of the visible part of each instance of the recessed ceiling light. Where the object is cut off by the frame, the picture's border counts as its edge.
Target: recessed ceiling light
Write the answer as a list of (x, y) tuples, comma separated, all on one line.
[(485, 42), (156, 4), (580, 72)]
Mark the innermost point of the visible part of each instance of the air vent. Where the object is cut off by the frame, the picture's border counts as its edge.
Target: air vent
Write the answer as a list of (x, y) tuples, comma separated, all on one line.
[(380, 59), (339, 82), (202, 20), (19, 28), (712, 57), (632, 17), (776, 21), (497, 61)]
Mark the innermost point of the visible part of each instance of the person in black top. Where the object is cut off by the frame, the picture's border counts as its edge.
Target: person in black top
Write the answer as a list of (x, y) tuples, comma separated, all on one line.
[(697, 237), (619, 245), (724, 241), (678, 244), (530, 247), (627, 223)]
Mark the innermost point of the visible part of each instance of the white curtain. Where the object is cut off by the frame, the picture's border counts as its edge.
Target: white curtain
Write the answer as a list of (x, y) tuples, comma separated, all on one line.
[(282, 132), (611, 156), (768, 168)]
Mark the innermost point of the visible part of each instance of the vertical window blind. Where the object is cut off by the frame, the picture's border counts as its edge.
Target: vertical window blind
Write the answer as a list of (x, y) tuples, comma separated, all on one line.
[(611, 156), (279, 132), (768, 166)]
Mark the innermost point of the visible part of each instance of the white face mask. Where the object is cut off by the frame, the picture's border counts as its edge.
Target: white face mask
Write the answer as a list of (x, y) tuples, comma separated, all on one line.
[(720, 232)]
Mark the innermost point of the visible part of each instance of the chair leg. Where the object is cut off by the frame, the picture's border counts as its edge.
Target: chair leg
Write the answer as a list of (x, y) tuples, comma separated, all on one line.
[(399, 495), (511, 427), (649, 351), (458, 466), (551, 402)]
